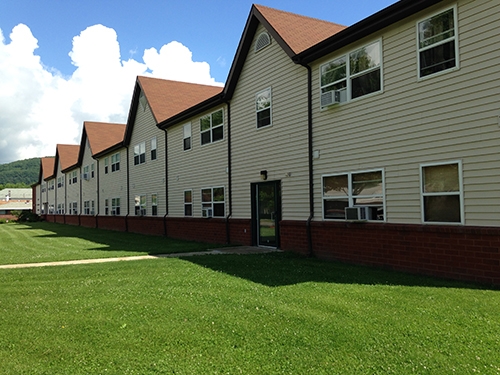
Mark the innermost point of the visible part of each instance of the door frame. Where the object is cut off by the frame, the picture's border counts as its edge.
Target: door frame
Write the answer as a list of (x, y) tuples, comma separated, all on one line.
[(255, 216)]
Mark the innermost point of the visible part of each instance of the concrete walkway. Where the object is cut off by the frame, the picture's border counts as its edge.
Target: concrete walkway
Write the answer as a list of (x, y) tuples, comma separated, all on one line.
[(241, 250)]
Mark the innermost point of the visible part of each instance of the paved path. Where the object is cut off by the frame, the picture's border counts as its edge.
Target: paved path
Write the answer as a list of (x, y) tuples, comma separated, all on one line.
[(243, 250)]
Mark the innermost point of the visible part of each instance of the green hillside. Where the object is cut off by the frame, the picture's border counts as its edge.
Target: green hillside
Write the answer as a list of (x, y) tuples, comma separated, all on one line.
[(21, 173)]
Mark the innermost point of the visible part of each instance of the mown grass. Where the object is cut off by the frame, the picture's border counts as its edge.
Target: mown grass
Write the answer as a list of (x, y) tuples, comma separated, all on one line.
[(248, 314), (45, 242)]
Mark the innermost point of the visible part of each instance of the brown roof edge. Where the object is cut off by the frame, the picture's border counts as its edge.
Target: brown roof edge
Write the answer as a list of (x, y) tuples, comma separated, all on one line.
[(374, 23)]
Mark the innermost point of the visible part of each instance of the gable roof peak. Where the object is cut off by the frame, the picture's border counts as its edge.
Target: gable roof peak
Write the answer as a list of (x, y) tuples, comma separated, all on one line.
[(298, 32)]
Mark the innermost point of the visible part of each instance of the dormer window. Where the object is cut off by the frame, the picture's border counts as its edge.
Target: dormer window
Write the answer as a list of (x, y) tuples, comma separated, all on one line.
[(263, 40)]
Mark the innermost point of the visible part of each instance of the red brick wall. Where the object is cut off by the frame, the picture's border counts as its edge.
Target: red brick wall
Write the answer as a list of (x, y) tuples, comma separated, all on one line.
[(146, 225), (462, 253), (240, 231), (88, 221), (117, 223), (204, 230)]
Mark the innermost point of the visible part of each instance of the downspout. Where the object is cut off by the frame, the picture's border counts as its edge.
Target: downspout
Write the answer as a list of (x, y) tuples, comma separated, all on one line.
[(229, 175), (310, 251), (81, 200), (128, 192), (98, 211), (166, 185)]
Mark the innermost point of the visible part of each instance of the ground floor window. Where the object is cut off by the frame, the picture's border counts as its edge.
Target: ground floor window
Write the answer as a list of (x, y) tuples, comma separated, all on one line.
[(140, 205), (106, 206), (88, 208), (354, 196), (115, 206), (73, 208), (188, 203), (154, 204), (442, 192), (212, 202), (60, 208)]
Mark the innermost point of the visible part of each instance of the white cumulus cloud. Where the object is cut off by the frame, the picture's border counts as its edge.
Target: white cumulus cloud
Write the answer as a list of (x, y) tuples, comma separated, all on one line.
[(40, 108)]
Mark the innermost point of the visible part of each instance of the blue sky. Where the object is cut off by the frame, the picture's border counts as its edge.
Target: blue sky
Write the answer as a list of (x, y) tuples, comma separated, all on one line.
[(206, 31)]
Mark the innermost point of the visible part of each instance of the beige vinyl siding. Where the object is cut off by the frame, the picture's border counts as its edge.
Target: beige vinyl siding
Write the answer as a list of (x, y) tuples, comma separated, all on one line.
[(73, 190), (113, 184), (60, 192), (203, 166), (89, 187), (451, 116), (280, 148), (147, 178)]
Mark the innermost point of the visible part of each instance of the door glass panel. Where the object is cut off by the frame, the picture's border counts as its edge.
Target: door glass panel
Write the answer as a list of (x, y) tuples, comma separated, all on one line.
[(266, 206)]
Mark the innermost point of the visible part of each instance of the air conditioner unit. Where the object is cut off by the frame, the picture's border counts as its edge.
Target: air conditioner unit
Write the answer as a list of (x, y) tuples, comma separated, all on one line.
[(358, 213), (85, 176), (330, 97), (206, 212)]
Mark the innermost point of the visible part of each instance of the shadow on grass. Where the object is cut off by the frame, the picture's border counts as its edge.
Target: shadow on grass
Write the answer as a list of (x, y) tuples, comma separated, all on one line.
[(116, 241), (280, 269)]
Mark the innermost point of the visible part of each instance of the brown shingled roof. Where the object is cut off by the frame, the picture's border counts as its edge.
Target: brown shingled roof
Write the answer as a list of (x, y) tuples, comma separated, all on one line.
[(103, 135), (47, 165), (67, 155), (299, 32), (169, 98)]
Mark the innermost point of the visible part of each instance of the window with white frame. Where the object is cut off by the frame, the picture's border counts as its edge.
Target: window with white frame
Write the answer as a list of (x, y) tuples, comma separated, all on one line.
[(74, 177), (115, 162), (73, 208), (442, 192), (86, 207), (44, 187), (187, 137), (106, 165), (154, 204), (60, 208), (92, 170), (353, 75), (140, 205), (140, 153), (51, 184), (212, 127), (437, 43), (86, 173), (115, 206), (212, 202), (60, 182), (106, 206), (263, 108), (354, 189), (188, 203), (153, 148)]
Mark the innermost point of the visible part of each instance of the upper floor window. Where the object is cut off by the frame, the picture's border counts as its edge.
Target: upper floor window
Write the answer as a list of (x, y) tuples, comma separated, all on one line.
[(106, 165), (187, 137), (212, 127), (263, 108), (153, 149), (360, 194), (60, 182), (140, 153), (442, 193), (437, 43), (92, 170), (86, 174), (115, 162), (352, 76)]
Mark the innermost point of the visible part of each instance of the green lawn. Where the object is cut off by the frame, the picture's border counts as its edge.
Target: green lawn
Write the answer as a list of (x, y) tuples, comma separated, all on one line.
[(250, 314), (45, 242)]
